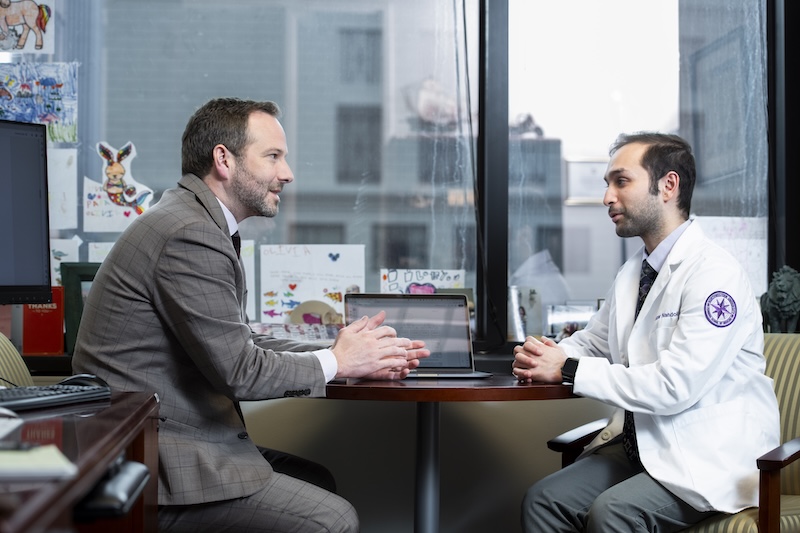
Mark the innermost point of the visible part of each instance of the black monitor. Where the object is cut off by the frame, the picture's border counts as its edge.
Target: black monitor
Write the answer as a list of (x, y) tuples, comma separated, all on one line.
[(24, 216)]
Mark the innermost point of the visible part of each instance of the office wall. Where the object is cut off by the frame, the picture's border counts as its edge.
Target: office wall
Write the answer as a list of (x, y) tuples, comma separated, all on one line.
[(490, 453)]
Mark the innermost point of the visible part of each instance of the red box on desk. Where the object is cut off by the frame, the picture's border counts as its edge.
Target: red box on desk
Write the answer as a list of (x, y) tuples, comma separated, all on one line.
[(43, 326)]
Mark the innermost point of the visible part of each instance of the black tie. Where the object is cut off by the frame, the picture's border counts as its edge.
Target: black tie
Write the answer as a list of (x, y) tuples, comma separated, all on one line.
[(237, 243), (646, 279)]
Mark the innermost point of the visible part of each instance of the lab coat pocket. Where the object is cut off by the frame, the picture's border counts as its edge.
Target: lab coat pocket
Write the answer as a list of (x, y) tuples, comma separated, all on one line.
[(719, 424)]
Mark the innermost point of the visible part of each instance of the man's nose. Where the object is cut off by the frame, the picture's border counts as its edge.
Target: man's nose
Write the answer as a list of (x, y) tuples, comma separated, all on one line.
[(609, 197), (286, 174)]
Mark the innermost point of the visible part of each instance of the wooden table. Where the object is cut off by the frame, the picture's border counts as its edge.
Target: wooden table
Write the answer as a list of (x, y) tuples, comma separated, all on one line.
[(428, 394), (92, 435)]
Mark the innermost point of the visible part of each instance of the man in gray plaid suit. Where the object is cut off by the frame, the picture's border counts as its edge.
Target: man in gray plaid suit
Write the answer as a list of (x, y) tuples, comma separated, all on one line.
[(166, 314)]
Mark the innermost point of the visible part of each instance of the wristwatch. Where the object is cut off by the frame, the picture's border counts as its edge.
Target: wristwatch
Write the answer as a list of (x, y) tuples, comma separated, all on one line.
[(569, 369)]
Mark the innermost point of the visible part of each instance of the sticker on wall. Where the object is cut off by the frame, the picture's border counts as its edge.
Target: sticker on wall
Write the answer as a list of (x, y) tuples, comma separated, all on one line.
[(26, 26), (112, 205), (42, 93)]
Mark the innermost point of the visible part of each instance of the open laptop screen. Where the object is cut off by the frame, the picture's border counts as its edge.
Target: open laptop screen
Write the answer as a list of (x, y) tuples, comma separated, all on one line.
[(441, 320)]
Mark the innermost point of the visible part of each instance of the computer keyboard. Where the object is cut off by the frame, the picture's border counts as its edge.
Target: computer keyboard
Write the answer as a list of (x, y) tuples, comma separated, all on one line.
[(39, 396)]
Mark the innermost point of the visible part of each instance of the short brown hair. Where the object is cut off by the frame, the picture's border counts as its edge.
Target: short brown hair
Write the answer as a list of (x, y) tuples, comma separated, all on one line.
[(219, 121)]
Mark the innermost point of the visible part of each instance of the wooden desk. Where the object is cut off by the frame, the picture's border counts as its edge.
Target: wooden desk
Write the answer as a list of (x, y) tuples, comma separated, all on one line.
[(428, 393), (91, 435)]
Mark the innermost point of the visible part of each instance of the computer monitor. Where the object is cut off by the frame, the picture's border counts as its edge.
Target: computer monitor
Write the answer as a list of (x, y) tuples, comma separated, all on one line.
[(24, 215)]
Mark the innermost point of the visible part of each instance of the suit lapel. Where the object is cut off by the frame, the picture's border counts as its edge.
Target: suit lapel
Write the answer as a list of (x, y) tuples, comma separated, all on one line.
[(207, 199)]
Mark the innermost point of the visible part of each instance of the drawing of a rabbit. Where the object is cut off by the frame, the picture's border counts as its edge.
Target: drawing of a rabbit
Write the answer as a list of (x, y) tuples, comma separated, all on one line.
[(116, 188)]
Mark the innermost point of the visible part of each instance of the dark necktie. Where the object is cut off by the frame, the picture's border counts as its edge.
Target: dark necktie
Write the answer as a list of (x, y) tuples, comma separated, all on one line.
[(646, 279), (237, 243)]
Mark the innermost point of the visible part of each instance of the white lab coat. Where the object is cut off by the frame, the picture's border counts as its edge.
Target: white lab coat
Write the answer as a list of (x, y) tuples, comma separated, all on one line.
[(704, 409)]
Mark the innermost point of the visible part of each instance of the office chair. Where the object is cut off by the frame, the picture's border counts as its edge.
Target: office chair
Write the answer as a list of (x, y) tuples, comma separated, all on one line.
[(779, 488), (13, 370)]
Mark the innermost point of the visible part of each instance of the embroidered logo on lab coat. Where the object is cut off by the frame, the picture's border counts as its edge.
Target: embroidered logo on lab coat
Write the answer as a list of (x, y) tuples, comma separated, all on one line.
[(720, 309)]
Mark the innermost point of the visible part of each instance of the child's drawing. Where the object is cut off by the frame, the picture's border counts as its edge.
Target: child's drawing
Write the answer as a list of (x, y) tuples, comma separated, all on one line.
[(120, 192), (42, 93), (17, 19), (114, 203)]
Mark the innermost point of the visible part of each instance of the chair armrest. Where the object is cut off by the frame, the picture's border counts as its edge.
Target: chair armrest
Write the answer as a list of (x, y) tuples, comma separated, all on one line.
[(769, 484), (571, 443), (783, 455), (579, 436)]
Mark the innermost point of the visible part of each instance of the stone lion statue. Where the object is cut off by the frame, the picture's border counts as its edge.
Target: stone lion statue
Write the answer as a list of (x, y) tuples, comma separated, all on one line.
[(780, 305)]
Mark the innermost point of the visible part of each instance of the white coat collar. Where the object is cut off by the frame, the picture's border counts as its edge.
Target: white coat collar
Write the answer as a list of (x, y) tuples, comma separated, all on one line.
[(627, 285)]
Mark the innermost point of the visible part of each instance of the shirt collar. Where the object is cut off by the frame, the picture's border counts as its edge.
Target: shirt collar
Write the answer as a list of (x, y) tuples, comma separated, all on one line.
[(659, 255), (233, 226)]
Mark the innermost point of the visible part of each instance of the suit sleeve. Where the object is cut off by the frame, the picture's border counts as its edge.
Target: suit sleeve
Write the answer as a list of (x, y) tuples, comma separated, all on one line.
[(198, 288)]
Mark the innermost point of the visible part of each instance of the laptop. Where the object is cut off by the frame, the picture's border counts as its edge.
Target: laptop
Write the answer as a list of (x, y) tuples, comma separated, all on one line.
[(441, 320)]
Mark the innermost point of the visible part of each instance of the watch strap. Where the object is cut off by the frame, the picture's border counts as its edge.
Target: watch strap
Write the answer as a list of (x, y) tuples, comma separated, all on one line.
[(569, 369)]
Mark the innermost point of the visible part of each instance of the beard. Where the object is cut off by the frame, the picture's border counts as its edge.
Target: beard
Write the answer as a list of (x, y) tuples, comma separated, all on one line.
[(644, 221), (252, 194)]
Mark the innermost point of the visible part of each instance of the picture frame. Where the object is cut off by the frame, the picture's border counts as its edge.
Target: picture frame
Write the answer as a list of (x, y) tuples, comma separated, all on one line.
[(585, 183), (76, 278)]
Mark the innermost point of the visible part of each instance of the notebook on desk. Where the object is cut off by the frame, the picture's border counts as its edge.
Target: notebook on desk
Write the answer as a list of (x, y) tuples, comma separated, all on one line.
[(441, 320)]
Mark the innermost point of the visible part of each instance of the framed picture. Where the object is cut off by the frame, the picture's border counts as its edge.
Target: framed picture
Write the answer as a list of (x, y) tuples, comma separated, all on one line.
[(77, 279), (585, 183)]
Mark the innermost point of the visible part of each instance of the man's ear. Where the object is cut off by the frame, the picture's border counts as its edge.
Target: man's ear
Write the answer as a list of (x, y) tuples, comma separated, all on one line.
[(669, 186), (222, 161)]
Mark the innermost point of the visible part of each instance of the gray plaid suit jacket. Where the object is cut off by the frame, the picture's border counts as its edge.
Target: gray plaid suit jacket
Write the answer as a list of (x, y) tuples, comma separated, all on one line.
[(166, 314)]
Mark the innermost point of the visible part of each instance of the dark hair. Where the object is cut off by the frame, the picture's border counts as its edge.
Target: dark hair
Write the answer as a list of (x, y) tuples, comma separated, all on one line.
[(220, 121), (664, 153)]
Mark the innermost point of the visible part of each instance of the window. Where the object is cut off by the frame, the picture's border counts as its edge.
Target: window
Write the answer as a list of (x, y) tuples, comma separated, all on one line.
[(568, 101), (317, 234), (358, 144), (361, 56), (381, 108), (400, 246)]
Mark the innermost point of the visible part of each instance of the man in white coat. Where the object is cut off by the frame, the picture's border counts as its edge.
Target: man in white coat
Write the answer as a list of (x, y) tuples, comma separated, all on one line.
[(685, 372)]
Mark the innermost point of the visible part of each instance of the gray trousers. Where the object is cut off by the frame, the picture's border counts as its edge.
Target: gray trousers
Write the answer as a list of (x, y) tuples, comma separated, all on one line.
[(299, 496), (604, 493)]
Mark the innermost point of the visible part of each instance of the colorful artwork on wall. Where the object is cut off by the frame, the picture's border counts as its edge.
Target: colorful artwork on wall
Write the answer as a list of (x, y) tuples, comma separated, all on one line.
[(42, 93)]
